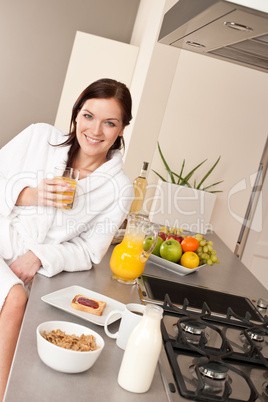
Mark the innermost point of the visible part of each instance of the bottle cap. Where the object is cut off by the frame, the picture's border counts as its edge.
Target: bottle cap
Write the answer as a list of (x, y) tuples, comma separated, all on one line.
[(154, 310), (145, 165)]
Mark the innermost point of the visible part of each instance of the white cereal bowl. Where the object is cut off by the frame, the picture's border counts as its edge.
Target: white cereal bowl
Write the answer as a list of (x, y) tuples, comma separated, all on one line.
[(65, 360)]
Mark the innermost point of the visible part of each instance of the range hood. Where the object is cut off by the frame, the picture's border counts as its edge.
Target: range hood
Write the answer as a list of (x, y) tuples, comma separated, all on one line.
[(218, 28)]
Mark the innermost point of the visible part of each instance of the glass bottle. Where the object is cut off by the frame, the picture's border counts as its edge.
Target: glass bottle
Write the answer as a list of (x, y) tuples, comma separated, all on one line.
[(139, 184), (142, 352)]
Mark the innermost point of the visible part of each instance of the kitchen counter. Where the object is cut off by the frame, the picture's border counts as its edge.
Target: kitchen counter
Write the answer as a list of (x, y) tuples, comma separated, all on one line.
[(31, 379)]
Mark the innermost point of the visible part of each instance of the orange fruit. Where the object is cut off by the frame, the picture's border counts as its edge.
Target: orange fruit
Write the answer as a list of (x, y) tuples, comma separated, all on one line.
[(189, 244), (189, 259)]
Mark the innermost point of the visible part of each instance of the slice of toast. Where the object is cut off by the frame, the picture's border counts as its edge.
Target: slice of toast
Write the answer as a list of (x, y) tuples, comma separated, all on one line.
[(87, 304)]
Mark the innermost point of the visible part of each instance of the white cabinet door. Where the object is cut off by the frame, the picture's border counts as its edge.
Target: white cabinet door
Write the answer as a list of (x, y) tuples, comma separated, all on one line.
[(92, 58)]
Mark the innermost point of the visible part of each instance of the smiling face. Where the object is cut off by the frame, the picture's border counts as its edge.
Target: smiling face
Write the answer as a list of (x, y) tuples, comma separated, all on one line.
[(99, 123)]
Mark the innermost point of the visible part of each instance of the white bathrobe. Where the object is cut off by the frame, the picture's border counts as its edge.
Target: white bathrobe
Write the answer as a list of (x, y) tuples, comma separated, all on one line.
[(64, 240)]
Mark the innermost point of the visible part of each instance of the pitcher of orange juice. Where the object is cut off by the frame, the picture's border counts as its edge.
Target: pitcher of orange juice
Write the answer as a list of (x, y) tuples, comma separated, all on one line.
[(128, 258)]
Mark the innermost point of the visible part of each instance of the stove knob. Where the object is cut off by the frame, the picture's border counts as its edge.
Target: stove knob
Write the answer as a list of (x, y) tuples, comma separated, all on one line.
[(262, 303)]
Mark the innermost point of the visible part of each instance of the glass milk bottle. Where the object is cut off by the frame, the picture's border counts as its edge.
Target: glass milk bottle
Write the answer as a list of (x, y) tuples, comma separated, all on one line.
[(142, 352)]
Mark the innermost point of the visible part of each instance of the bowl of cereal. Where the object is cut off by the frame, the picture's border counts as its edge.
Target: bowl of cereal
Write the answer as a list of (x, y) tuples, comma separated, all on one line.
[(68, 347)]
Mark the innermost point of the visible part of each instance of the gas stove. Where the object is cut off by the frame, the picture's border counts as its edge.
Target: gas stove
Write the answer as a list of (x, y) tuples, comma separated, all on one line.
[(208, 355)]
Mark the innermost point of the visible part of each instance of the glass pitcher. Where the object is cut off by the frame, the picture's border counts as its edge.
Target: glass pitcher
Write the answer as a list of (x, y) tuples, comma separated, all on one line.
[(128, 258)]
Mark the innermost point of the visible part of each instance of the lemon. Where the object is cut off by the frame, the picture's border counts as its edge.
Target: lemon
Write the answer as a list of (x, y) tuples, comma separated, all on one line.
[(189, 259)]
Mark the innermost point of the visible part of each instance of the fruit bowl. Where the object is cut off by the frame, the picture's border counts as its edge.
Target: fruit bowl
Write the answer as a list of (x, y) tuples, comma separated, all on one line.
[(172, 266)]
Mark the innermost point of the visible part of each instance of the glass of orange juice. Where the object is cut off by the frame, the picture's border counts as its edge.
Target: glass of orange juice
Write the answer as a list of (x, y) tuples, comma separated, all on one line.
[(70, 175), (128, 258)]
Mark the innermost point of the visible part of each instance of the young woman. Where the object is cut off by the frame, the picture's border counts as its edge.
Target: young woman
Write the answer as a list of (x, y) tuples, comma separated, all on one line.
[(37, 234)]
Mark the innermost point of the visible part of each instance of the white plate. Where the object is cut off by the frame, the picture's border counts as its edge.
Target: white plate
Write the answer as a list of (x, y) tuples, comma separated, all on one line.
[(62, 299), (172, 266)]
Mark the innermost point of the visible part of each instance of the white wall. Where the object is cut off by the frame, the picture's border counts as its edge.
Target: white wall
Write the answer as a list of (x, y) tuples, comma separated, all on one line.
[(36, 39), (255, 255), (214, 109), (199, 107), (261, 5), (150, 86)]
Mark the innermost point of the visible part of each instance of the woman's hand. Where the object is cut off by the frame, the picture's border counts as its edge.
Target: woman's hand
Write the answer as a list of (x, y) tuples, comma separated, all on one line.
[(26, 266), (45, 194)]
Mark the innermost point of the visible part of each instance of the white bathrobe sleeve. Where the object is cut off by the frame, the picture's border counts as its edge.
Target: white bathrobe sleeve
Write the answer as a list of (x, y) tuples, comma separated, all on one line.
[(12, 158), (24, 158), (59, 248), (89, 247)]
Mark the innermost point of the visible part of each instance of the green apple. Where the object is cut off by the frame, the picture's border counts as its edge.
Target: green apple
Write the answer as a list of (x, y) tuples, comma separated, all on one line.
[(156, 250), (171, 250), (148, 242)]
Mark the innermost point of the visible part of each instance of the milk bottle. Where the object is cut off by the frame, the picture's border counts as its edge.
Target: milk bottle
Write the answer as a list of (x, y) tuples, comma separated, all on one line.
[(142, 352)]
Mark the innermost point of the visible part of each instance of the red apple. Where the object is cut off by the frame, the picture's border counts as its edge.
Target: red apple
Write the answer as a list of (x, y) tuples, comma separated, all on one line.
[(163, 235), (175, 237)]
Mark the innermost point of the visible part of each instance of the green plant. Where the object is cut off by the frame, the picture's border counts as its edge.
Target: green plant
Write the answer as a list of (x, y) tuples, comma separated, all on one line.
[(184, 181)]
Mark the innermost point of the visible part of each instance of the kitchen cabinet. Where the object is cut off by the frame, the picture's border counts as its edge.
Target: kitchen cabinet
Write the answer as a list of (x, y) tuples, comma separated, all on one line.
[(219, 29), (92, 58)]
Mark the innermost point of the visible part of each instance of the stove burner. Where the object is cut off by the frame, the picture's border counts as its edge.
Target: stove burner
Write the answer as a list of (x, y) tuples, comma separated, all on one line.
[(216, 358), (211, 375), (214, 371), (255, 336), (193, 330), (265, 388), (193, 327)]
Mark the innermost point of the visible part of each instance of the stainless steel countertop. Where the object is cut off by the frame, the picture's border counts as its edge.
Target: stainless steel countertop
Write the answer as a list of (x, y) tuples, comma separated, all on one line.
[(31, 379)]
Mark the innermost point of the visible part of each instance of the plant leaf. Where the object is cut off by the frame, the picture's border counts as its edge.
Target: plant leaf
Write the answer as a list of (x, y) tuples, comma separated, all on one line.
[(162, 178), (180, 175), (185, 183), (177, 175), (166, 165), (212, 185), (189, 175), (208, 173)]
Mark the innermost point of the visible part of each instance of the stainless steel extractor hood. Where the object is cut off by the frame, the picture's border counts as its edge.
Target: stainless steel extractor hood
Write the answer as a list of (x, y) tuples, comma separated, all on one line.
[(220, 29)]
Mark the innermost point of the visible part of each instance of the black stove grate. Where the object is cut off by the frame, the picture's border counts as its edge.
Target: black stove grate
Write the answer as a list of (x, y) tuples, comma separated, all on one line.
[(218, 302), (200, 393), (222, 358)]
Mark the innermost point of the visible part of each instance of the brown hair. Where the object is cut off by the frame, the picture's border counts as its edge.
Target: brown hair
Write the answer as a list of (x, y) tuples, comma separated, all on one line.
[(104, 88)]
